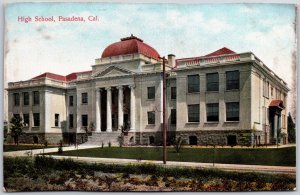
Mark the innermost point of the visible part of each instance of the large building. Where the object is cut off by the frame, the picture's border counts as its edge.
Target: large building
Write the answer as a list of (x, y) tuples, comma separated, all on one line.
[(222, 98)]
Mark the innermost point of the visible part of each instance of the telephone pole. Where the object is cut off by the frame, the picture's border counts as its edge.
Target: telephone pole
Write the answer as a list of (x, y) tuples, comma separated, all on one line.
[(164, 114)]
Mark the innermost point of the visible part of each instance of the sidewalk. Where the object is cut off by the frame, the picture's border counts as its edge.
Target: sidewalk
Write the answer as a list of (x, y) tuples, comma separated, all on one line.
[(226, 167), (41, 151)]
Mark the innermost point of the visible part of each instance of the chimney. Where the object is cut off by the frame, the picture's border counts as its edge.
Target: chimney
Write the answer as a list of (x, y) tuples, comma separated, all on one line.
[(171, 60)]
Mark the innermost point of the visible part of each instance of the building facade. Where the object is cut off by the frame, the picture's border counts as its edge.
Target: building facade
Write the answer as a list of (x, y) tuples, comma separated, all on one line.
[(223, 98)]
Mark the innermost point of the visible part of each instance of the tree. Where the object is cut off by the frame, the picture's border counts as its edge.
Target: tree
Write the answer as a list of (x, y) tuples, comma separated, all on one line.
[(16, 128), (5, 133), (291, 130)]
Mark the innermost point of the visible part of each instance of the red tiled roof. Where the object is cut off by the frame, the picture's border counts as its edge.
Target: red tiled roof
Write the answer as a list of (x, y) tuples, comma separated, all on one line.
[(222, 51), (51, 76), (73, 75), (69, 77), (130, 45), (276, 103)]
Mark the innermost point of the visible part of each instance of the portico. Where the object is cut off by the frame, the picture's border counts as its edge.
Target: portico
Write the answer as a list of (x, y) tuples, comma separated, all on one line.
[(113, 106)]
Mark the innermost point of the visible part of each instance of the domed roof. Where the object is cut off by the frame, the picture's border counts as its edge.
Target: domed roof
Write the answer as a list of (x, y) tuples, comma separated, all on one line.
[(130, 45)]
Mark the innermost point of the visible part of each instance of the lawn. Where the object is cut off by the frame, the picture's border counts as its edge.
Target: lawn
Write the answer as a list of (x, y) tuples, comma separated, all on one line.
[(250, 156), (10, 148)]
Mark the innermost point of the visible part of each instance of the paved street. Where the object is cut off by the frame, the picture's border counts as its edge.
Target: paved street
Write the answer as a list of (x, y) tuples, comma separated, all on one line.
[(226, 167)]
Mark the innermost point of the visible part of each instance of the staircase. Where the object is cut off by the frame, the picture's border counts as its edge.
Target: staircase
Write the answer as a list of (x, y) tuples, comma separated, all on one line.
[(96, 139)]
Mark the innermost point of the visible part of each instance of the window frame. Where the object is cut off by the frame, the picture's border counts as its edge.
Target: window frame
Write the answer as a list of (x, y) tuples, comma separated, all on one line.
[(212, 85), (36, 119), (71, 100), (151, 121), (151, 94), (36, 97), (71, 122), (84, 98), (173, 116), (195, 112), (25, 121), (56, 120), (87, 120), (227, 111), (192, 85), (231, 81), (26, 99), (16, 99), (212, 114), (173, 93)]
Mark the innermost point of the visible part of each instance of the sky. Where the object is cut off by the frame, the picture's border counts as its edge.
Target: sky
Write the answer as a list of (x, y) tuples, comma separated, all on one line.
[(186, 30)]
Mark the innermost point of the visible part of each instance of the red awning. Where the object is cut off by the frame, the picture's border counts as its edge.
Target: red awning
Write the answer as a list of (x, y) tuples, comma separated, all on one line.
[(276, 103)]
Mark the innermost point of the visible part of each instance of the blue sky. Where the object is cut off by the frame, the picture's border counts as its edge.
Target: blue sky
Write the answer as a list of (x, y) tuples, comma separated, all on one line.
[(182, 29)]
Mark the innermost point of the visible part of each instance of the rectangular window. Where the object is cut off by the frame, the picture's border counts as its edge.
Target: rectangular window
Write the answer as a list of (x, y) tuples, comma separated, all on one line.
[(173, 93), (193, 113), (212, 82), (151, 118), (25, 98), (232, 80), (173, 116), (212, 112), (193, 83), (36, 98), (71, 121), (272, 92), (26, 120), (56, 120), (151, 93), (233, 111), (278, 94), (266, 89), (84, 120), (84, 98), (16, 99), (71, 100), (36, 119)]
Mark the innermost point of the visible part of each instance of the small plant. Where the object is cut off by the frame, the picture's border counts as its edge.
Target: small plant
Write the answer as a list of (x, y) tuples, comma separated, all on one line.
[(109, 144), (121, 141), (177, 144), (60, 147)]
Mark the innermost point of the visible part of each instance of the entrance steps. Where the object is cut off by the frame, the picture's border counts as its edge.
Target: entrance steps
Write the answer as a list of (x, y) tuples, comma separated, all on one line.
[(103, 137)]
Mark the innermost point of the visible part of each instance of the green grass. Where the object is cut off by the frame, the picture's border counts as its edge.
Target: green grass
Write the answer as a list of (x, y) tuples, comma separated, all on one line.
[(10, 148), (250, 156)]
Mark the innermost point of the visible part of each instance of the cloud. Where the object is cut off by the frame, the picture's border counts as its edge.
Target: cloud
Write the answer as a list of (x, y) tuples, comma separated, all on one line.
[(248, 9)]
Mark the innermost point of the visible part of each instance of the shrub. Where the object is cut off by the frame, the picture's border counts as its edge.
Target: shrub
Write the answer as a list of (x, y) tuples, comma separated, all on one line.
[(177, 144), (60, 147)]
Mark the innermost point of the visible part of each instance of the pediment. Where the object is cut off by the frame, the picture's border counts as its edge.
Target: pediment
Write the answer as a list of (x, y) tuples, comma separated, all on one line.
[(112, 71)]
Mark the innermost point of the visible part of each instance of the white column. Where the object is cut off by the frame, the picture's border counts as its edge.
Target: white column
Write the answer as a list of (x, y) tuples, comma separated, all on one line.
[(98, 110), (132, 108), (120, 108), (108, 110)]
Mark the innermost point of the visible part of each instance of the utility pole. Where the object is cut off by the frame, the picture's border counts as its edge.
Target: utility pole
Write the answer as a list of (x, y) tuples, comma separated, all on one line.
[(164, 113)]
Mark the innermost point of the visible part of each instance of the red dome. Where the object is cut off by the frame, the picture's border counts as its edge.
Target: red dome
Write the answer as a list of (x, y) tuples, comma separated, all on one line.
[(130, 45)]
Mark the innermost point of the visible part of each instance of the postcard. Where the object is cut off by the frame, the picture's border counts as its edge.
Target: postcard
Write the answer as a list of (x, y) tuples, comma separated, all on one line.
[(122, 97)]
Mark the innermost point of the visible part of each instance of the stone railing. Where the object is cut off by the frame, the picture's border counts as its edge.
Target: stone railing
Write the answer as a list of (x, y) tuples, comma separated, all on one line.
[(37, 82), (198, 61), (124, 58)]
